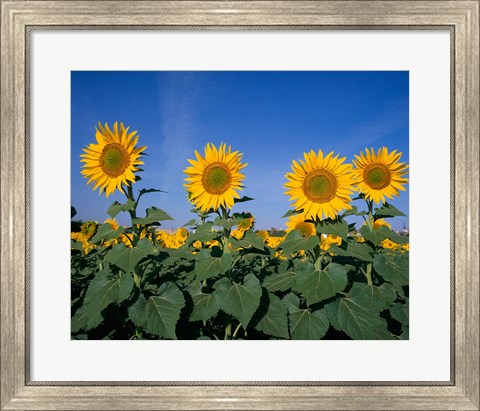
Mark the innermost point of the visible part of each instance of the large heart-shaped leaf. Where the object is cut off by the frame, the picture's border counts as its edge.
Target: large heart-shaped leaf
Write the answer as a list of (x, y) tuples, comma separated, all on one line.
[(307, 325), (205, 306), (127, 258), (392, 268), (116, 207), (324, 284), (106, 232), (101, 292), (295, 242), (241, 300), (280, 281), (354, 319), (274, 319), (209, 266), (163, 311), (154, 215)]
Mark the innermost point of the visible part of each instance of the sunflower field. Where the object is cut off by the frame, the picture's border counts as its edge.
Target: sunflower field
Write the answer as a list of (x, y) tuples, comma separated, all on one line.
[(219, 278)]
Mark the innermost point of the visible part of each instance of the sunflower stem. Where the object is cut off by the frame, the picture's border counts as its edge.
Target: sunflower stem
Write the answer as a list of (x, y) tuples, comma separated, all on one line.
[(236, 330), (133, 215), (368, 274), (370, 214), (228, 330)]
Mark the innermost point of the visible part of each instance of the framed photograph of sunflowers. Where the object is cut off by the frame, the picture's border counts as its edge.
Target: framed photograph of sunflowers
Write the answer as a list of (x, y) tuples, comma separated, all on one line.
[(240, 205)]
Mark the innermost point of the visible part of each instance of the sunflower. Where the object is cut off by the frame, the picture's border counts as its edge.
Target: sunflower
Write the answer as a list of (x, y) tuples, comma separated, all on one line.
[(113, 160), (213, 180), (379, 223), (113, 223), (380, 175), (389, 244), (297, 222), (320, 185), (245, 223), (327, 240)]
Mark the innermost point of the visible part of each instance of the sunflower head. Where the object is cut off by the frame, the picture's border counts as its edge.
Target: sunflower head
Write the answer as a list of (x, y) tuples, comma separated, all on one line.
[(380, 222), (389, 244), (297, 222), (88, 229), (113, 223), (245, 223), (113, 160), (214, 178), (380, 175), (320, 185)]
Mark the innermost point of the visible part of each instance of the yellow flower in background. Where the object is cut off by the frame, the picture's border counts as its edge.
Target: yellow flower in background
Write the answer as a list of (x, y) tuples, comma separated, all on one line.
[(113, 223), (389, 244), (237, 233), (274, 242), (214, 179), (113, 160), (297, 222), (380, 175), (327, 240), (182, 233), (197, 244), (88, 229), (381, 223), (405, 247), (245, 223), (320, 185)]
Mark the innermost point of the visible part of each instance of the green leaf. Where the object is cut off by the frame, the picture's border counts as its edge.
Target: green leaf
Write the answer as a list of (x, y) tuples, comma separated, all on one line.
[(137, 311), (289, 213), (359, 251), (250, 239), (205, 307), (355, 320), (353, 211), (149, 190), (377, 235), (163, 311), (105, 232), (209, 266), (226, 222), (399, 239), (295, 242), (292, 302), (116, 207), (388, 210), (242, 199), (400, 313), (101, 292), (274, 320), (190, 223), (392, 268), (307, 325), (127, 258), (303, 273), (321, 285), (279, 282), (336, 227), (242, 300), (203, 233), (378, 298), (154, 215)]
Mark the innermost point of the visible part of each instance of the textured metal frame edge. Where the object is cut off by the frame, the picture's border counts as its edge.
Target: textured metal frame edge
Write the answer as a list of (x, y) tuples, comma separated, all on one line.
[(18, 393)]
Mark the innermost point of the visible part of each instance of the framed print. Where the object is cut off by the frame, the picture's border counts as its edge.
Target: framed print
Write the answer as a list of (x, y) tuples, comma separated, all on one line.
[(148, 153)]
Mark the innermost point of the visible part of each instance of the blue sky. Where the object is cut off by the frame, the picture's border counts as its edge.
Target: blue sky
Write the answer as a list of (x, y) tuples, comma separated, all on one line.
[(272, 117)]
